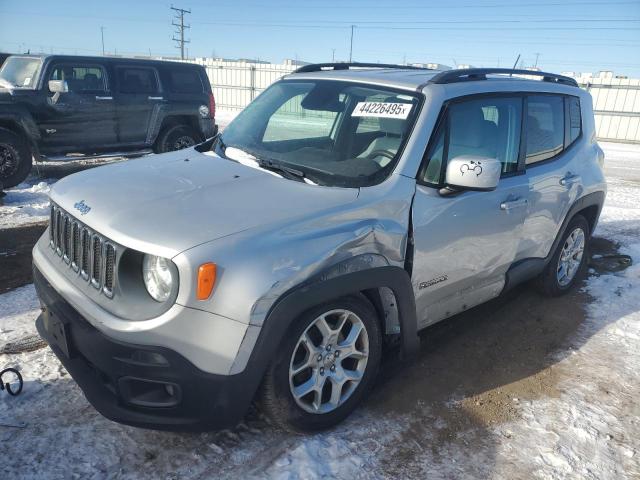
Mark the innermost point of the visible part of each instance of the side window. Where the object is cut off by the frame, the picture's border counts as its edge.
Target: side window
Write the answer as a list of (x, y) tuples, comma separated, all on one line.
[(183, 80), (575, 118), (137, 80), (545, 127), (291, 121), (80, 79), (488, 127)]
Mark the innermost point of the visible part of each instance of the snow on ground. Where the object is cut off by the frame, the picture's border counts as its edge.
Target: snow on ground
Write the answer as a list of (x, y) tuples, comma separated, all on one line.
[(588, 429), (26, 203)]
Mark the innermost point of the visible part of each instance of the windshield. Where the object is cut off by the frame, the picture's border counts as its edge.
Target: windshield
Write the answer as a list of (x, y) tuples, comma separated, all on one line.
[(20, 72), (336, 133)]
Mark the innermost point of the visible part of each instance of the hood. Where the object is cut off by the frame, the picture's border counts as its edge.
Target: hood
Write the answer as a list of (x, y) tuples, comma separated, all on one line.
[(165, 204)]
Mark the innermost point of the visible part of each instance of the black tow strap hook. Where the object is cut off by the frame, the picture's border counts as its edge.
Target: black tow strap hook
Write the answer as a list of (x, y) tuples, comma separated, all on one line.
[(7, 385)]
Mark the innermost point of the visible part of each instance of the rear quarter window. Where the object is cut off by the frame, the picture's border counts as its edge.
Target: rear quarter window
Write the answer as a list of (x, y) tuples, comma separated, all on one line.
[(185, 81)]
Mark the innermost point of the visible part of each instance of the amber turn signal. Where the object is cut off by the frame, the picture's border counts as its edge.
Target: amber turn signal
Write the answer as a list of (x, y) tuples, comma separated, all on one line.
[(206, 280)]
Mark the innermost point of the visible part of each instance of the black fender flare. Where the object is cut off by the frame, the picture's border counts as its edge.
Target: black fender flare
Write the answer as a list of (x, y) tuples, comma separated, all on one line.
[(310, 294), (529, 268), (20, 121)]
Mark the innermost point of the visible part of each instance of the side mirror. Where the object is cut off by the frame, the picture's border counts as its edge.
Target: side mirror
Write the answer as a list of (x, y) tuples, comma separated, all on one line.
[(58, 86), (473, 172)]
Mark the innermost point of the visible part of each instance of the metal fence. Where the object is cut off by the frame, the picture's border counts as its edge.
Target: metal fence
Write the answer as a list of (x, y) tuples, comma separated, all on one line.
[(616, 101), (617, 110)]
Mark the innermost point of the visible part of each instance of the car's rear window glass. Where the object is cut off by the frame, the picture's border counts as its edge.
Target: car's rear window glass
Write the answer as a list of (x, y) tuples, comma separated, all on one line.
[(185, 81), (137, 80), (80, 78), (575, 119), (545, 127)]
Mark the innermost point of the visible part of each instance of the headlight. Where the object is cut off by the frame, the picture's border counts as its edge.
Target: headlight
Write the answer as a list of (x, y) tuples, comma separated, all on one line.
[(156, 273)]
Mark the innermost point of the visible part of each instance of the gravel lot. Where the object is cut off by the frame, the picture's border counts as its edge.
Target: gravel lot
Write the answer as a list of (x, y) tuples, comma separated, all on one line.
[(522, 387)]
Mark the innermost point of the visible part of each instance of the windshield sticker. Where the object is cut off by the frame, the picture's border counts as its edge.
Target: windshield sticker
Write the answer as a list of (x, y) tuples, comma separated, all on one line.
[(27, 81), (382, 110)]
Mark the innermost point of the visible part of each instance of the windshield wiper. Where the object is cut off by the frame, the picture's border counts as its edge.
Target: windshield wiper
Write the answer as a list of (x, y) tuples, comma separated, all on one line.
[(288, 172)]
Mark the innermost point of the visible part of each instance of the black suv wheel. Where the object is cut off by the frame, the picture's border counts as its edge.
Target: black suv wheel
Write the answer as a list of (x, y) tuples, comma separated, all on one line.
[(176, 137), (15, 159), (324, 367)]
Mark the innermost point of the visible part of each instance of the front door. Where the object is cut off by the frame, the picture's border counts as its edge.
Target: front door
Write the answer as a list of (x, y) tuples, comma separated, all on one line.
[(138, 97), (464, 242), (83, 118)]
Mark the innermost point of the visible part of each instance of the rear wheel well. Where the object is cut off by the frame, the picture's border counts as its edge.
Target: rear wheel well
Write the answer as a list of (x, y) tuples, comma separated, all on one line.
[(173, 120), (590, 213)]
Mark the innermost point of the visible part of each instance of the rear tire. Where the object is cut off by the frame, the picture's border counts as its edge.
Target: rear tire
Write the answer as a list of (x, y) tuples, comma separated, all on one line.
[(176, 137), (341, 366), (569, 261), (15, 158)]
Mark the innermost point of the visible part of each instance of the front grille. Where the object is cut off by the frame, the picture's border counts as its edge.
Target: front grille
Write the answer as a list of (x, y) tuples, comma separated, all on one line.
[(85, 251)]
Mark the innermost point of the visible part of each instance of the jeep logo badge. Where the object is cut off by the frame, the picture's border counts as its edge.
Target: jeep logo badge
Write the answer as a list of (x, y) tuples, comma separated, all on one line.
[(82, 207)]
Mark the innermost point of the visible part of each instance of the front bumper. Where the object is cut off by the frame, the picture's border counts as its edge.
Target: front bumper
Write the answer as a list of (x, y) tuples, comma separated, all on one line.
[(140, 385)]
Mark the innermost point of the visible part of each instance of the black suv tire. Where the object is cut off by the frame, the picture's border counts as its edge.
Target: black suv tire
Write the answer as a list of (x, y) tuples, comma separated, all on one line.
[(548, 282), (15, 158), (277, 398), (176, 137)]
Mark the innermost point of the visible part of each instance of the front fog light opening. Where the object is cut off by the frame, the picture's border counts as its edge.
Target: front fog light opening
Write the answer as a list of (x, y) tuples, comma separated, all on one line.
[(156, 272)]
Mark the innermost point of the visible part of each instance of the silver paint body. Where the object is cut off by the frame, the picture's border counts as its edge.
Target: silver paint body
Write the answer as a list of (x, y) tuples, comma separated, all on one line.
[(268, 234)]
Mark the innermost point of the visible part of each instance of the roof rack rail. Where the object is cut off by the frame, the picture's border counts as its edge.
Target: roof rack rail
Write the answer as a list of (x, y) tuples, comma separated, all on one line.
[(317, 67), (471, 74)]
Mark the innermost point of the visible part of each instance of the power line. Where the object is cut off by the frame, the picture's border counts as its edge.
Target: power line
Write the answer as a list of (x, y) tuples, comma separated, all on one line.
[(181, 27)]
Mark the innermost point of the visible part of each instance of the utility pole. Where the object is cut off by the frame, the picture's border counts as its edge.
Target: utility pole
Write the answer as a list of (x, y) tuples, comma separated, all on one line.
[(102, 35), (179, 15), (351, 45), (333, 55)]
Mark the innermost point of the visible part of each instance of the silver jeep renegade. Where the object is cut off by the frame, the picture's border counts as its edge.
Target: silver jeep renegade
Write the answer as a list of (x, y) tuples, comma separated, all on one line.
[(347, 206)]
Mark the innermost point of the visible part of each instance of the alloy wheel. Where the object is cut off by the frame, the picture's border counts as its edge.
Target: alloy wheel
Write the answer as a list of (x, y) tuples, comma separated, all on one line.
[(570, 257), (329, 361)]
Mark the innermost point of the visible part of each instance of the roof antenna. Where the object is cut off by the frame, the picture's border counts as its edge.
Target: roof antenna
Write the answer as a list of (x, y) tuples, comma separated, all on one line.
[(515, 65)]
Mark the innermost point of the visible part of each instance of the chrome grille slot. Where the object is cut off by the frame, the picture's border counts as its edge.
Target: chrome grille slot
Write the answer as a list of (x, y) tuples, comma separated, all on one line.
[(86, 255), (77, 248), (59, 220), (52, 225), (96, 261), (66, 239), (109, 264), (86, 252)]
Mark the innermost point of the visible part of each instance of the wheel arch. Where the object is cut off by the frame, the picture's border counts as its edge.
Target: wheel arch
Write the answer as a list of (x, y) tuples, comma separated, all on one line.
[(316, 291)]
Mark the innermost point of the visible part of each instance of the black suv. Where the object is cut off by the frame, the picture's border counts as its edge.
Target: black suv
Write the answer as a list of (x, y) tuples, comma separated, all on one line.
[(53, 105)]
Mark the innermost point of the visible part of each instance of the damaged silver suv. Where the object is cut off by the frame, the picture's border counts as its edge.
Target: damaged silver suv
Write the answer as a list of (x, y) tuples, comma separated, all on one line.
[(348, 205)]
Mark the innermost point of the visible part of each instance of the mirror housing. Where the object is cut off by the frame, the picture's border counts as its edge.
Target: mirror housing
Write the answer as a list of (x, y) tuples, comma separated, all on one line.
[(473, 172), (58, 86)]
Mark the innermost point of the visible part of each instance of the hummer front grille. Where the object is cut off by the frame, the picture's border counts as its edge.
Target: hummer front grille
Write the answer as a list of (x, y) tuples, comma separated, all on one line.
[(85, 251)]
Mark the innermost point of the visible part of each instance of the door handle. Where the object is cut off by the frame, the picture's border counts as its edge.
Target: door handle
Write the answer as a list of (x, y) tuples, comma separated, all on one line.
[(513, 204), (103, 98), (569, 179), (155, 98)]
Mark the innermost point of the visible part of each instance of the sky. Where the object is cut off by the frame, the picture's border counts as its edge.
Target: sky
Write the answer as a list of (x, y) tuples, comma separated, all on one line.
[(555, 35)]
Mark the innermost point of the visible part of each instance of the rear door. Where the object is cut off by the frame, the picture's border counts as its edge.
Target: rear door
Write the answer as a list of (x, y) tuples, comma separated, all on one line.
[(553, 167), (138, 98), (83, 118), (465, 242)]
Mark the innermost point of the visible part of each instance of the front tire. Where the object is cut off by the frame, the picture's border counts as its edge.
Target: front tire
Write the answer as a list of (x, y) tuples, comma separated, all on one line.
[(569, 261), (15, 159), (326, 365), (176, 137)]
